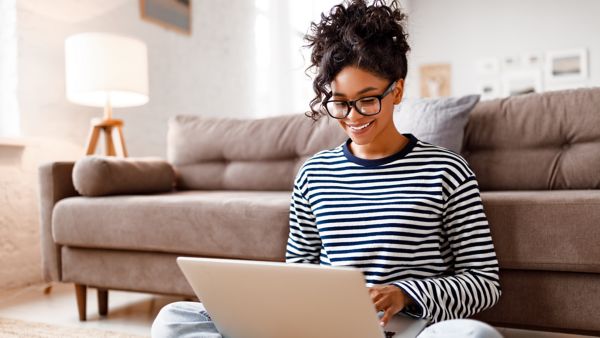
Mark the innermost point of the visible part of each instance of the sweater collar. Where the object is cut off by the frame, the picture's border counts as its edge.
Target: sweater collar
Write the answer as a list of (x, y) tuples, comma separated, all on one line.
[(412, 141)]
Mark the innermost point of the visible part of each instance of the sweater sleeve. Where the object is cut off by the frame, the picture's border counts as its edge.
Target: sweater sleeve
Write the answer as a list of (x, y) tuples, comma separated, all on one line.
[(474, 284), (304, 243)]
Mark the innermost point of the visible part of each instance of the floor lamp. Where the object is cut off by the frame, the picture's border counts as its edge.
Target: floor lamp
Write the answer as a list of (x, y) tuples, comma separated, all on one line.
[(106, 70)]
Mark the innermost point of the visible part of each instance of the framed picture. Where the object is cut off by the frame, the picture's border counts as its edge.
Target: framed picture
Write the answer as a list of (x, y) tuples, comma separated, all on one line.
[(489, 88), (488, 66), (532, 60), (522, 82), (435, 80), (171, 14), (511, 63), (567, 65)]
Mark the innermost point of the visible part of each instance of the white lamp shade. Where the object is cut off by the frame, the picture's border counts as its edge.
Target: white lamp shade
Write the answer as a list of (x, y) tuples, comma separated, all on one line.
[(101, 67)]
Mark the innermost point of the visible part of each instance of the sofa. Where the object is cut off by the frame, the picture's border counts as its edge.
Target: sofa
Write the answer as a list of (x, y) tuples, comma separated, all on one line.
[(536, 157)]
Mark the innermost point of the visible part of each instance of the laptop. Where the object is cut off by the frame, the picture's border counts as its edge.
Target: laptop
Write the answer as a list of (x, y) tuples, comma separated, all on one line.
[(257, 299)]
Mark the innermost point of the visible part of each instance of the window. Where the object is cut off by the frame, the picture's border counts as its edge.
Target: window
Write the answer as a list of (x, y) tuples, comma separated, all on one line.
[(301, 14), (9, 107), (282, 85), (262, 57)]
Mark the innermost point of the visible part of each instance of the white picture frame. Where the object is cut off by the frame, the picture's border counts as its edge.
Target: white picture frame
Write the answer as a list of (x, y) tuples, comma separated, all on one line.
[(522, 82), (488, 66), (489, 88), (511, 63), (533, 60), (569, 65)]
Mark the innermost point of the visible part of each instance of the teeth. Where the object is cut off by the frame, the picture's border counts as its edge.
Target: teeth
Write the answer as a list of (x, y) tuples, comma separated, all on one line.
[(360, 127)]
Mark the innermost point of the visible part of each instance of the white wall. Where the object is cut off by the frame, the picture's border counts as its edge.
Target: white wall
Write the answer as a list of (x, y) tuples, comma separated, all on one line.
[(20, 250), (9, 121), (460, 32)]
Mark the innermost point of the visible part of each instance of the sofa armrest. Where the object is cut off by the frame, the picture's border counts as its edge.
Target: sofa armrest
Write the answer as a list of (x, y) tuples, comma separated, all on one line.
[(55, 183)]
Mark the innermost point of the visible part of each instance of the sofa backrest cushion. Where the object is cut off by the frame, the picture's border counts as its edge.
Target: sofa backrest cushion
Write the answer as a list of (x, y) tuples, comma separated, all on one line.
[(536, 141), (223, 153)]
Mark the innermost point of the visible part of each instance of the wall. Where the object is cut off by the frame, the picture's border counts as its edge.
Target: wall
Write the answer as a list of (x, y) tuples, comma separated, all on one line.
[(9, 123), (460, 32), (20, 259)]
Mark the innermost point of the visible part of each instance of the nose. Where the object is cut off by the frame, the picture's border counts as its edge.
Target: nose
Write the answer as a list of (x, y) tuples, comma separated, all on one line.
[(354, 115)]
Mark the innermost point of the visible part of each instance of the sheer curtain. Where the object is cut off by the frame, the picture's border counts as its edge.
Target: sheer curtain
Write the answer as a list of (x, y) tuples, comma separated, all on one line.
[(9, 107)]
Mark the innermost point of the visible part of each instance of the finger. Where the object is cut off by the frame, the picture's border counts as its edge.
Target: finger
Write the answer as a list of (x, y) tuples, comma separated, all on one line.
[(376, 297), (382, 304), (389, 312)]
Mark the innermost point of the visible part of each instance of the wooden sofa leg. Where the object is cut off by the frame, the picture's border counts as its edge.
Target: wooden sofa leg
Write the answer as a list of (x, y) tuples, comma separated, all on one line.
[(103, 302), (81, 293)]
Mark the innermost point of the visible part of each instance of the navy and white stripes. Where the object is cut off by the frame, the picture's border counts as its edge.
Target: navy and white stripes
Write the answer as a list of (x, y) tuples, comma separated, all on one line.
[(413, 219)]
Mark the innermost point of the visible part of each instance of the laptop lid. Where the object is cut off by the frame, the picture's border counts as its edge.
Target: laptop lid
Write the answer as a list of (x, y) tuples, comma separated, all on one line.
[(255, 299)]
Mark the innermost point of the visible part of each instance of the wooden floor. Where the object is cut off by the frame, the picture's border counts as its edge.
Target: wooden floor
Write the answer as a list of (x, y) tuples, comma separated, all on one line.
[(129, 312)]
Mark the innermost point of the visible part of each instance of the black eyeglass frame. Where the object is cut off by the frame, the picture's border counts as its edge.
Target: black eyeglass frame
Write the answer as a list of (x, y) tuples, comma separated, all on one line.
[(352, 103)]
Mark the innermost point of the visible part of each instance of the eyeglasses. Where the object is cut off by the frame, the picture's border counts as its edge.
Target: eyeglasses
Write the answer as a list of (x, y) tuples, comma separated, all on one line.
[(369, 105)]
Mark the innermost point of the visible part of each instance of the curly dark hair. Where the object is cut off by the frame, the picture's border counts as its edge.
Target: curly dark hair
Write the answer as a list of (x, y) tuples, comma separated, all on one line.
[(370, 37)]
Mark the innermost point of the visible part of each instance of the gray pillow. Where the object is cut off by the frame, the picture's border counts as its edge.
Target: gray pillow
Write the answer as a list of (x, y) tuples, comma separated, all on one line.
[(100, 175), (437, 121)]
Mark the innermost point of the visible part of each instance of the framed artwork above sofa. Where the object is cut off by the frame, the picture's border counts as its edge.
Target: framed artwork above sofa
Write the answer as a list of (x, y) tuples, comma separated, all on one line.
[(171, 14)]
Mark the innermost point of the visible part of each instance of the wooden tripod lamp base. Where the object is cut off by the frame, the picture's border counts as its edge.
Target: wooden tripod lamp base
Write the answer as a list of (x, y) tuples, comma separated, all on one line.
[(109, 127)]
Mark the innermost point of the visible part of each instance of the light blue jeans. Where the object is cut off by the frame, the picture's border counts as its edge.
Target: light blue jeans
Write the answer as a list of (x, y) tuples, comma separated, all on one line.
[(190, 320)]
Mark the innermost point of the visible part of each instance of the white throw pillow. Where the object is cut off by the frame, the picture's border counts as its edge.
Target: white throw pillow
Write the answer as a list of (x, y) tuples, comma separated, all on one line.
[(437, 121)]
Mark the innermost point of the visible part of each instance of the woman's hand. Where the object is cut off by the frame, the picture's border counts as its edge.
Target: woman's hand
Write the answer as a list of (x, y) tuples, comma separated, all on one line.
[(388, 298)]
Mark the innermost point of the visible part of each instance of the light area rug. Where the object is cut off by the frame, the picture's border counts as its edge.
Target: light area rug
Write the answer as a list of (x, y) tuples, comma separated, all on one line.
[(13, 328)]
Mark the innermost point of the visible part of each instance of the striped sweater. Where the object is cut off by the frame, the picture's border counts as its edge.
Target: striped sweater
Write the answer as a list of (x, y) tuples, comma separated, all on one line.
[(413, 219)]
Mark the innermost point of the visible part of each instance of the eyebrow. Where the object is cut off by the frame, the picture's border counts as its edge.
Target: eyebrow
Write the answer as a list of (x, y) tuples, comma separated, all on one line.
[(368, 89)]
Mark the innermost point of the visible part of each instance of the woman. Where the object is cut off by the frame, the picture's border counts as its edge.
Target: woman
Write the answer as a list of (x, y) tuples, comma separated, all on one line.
[(407, 213)]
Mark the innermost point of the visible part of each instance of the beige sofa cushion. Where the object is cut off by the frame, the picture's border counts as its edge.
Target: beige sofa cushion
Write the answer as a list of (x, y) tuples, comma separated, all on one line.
[(536, 141), (218, 153), (547, 301), (236, 224), (554, 230), (545, 230), (100, 175)]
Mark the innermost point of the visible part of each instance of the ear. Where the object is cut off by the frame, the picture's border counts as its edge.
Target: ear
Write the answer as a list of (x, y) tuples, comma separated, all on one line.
[(398, 91)]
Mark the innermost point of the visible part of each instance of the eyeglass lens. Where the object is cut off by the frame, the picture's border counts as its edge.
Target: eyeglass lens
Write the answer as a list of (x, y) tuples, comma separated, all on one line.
[(366, 106)]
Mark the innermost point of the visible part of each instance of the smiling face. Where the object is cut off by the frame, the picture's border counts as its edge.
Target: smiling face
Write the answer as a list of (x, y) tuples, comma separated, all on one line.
[(353, 83)]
